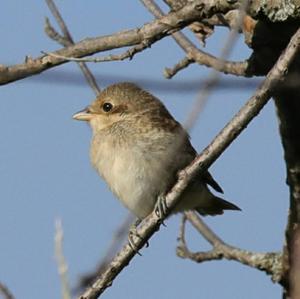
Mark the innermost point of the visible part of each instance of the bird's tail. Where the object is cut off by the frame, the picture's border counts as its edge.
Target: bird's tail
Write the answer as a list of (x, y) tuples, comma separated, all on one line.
[(218, 207)]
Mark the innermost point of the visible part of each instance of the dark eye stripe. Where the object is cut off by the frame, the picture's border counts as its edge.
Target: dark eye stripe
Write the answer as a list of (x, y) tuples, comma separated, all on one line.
[(107, 107)]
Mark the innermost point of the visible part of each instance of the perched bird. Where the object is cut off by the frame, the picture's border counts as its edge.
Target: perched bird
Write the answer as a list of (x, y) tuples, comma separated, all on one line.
[(138, 148)]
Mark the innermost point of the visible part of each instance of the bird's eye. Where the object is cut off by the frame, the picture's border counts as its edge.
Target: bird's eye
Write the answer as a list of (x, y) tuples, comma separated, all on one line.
[(107, 107)]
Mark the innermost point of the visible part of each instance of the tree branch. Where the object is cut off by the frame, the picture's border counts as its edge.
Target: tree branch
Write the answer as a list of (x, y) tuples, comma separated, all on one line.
[(5, 292), (117, 240), (270, 262), (112, 57), (200, 164), (149, 33), (196, 55), (276, 10)]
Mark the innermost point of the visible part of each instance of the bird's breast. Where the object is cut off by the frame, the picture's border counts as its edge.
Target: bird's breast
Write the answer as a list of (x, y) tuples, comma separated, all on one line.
[(135, 175)]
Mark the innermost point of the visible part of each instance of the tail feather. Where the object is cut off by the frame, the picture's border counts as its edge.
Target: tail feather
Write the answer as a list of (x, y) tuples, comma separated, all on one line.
[(217, 207)]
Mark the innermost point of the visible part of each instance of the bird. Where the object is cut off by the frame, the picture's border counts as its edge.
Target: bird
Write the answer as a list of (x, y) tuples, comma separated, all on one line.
[(138, 148)]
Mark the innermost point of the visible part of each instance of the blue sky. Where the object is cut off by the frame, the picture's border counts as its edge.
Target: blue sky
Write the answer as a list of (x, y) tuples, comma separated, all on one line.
[(45, 171)]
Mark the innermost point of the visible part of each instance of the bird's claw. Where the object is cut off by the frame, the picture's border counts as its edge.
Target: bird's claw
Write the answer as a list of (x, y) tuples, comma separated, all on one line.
[(161, 208), (134, 234)]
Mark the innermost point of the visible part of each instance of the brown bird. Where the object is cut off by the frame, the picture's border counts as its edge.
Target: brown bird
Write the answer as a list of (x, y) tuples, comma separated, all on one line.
[(138, 148)]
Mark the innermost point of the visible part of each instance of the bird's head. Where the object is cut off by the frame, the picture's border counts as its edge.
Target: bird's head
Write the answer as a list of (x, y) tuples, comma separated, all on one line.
[(121, 102)]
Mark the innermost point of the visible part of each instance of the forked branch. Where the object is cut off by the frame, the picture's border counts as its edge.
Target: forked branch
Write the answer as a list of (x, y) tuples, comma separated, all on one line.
[(269, 262)]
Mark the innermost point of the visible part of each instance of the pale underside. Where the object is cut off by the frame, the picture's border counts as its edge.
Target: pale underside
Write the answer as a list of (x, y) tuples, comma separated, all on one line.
[(138, 172)]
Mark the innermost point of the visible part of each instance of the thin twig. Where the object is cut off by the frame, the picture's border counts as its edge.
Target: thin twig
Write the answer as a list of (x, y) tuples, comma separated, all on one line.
[(54, 35), (67, 40), (60, 21), (5, 292), (240, 121), (182, 64), (206, 232), (269, 262), (181, 237), (60, 259), (196, 55), (112, 57), (214, 77)]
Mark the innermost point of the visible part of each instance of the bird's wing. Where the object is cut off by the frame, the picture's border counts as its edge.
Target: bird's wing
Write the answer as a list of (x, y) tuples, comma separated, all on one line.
[(208, 179), (170, 124)]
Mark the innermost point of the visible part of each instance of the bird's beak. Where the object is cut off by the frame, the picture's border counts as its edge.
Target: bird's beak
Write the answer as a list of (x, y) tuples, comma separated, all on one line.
[(84, 115)]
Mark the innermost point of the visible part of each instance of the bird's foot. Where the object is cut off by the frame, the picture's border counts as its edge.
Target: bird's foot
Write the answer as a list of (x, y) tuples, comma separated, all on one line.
[(161, 208), (134, 234)]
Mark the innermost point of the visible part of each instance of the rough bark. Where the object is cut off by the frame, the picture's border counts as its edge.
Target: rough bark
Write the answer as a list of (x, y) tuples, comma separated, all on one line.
[(287, 100)]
